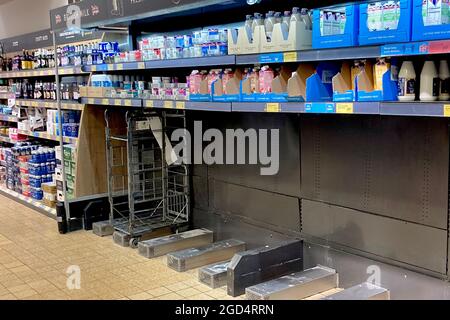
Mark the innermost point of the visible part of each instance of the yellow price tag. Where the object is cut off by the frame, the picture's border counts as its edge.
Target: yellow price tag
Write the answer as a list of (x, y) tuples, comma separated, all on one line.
[(119, 66), (117, 102), (93, 68), (181, 105), (62, 71), (105, 101), (273, 107), (34, 104), (344, 107), (128, 102), (168, 104), (149, 104), (141, 65), (290, 57), (91, 101), (446, 110), (41, 73)]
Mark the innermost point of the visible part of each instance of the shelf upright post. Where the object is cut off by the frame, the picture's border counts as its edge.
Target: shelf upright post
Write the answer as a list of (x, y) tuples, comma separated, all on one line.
[(61, 137)]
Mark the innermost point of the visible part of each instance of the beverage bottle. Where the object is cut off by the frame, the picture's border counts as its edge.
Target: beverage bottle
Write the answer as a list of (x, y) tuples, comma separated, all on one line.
[(304, 14), (278, 18), (287, 19), (444, 77), (269, 23), (248, 22), (257, 21), (429, 82), (296, 14)]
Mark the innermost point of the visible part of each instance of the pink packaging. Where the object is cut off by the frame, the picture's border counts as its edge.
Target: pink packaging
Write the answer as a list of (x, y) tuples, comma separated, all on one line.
[(195, 80), (226, 77), (266, 76), (213, 75)]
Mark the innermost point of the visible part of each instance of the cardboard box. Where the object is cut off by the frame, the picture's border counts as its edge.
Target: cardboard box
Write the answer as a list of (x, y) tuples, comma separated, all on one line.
[(70, 152), (98, 92), (70, 181)]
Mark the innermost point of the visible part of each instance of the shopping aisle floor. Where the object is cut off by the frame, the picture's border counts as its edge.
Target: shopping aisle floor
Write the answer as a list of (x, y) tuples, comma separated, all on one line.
[(34, 259)]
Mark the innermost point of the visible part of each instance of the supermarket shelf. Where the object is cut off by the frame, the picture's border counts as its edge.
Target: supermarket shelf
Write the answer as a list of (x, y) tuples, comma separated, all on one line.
[(137, 103), (188, 105), (311, 55), (437, 109), (162, 64), (4, 95), (40, 72), (115, 67), (6, 139), (4, 117), (423, 109), (33, 204), (271, 107), (72, 105), (46, 136)]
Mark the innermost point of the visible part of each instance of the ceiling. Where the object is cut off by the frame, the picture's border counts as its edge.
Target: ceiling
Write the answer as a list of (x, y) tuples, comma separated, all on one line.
[(4, 1)]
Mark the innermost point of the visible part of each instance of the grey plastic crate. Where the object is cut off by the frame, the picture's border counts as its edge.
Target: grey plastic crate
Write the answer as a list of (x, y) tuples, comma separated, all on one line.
[(198, 257), (176, 242), (295, 286), (214, 275)]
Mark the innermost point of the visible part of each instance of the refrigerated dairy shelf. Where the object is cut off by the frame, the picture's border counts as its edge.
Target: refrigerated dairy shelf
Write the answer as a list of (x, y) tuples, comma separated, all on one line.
[(34, 204), (46, 136), (346, 53), (72, 105)]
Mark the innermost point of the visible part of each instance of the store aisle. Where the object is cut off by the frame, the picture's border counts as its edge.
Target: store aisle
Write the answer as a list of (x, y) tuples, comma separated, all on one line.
[(34, 259)]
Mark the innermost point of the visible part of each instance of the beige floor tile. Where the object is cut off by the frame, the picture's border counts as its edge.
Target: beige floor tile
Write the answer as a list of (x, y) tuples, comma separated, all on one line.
[(159, 292), (170, 296), (186, 293), (141, 296), (25, 293), (34, 258)]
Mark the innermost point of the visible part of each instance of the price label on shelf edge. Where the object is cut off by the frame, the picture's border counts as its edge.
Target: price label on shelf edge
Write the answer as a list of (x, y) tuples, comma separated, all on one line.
[(181, 105), (273, 107), (446, 110), (344, 108)]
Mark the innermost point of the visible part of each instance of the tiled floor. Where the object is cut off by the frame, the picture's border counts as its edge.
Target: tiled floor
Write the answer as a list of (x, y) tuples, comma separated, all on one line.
[(34, 259)]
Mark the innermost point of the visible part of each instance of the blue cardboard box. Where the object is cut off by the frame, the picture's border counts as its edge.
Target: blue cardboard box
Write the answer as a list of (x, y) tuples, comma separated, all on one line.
[(385, 22), (335, 26), (431, 20)]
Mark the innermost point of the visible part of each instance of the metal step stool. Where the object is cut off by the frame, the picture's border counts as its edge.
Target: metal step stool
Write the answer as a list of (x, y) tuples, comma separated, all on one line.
[(363, 291), (198, 257), (176, 242), (295, 286), (214, 275)]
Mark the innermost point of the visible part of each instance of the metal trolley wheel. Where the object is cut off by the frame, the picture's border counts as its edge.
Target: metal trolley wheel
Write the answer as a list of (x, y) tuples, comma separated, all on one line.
[(134, 242)]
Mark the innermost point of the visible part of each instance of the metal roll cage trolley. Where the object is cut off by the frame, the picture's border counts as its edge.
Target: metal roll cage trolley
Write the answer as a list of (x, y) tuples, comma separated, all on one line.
[(147, 188)]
